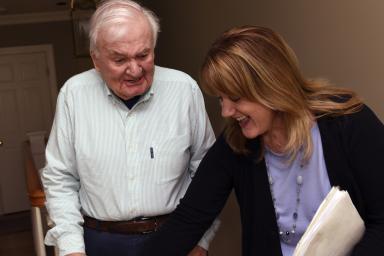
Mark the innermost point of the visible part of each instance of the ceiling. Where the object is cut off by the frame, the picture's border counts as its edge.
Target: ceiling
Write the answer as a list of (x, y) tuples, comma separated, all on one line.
[(11, 7)]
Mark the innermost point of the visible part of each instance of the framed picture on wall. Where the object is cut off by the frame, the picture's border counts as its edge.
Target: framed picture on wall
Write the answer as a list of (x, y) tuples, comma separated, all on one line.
[(80, 23)]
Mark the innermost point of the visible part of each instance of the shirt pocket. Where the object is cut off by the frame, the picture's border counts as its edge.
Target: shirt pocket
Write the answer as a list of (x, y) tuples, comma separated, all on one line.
[(168, 159)]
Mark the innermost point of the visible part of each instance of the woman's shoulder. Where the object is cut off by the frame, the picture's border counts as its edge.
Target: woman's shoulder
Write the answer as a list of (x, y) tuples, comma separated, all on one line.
[(222, 145), (363, 114), (362, 119)]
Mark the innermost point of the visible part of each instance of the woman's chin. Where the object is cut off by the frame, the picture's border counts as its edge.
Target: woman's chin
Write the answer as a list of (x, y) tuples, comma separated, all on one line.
[(249, 134)]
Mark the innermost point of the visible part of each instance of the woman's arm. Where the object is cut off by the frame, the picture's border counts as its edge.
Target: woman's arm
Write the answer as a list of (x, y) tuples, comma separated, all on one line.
[(201, 204), (366, 154)]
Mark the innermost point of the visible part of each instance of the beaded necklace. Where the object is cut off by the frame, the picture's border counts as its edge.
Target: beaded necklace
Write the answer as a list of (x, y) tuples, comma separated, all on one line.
[(286, 235)]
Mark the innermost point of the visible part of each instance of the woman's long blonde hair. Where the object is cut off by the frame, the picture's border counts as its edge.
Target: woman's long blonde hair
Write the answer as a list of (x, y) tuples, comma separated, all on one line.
[(256, 64)]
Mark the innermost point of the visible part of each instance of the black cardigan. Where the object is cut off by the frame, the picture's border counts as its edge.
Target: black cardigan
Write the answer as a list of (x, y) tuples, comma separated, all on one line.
[(353, 147)]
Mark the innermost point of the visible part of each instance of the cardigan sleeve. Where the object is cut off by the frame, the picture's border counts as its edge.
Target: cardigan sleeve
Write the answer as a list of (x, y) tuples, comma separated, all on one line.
[(203, 201), (365, 146)]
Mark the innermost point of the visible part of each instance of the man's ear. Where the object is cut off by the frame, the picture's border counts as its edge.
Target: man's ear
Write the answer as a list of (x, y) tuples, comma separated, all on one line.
[(95, 60)]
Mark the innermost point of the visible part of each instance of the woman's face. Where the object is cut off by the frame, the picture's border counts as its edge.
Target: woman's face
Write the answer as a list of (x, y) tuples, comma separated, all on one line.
[(254, 119)]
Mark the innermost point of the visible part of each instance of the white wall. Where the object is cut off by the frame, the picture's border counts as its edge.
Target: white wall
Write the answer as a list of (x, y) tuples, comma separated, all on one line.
[(340, 40)]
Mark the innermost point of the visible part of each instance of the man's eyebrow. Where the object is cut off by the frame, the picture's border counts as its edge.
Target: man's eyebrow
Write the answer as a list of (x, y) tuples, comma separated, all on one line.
[(117, 53), (145, 50), (114, 52)]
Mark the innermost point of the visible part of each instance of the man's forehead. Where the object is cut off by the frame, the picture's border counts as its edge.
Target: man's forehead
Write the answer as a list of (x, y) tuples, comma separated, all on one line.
[(127, 23), (130, 33)]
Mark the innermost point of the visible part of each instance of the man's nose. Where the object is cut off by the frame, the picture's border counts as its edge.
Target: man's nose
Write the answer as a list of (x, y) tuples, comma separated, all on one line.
[(134, 69), (227, 108)]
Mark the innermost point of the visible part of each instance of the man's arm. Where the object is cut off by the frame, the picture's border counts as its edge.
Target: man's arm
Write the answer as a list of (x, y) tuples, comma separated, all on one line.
[(61, 184)]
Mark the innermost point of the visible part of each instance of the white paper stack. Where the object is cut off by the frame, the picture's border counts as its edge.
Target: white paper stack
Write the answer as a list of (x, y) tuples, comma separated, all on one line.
[(334, 230)]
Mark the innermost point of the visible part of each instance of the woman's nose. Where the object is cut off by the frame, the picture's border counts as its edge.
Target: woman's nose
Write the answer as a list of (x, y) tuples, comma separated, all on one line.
[(227, 108)]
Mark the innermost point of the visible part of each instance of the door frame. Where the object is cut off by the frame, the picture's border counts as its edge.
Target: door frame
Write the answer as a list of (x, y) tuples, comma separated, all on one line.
[(47, 50)]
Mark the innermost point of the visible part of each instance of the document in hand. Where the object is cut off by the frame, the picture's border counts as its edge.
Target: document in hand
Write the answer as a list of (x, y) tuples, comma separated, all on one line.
[(334, 230)]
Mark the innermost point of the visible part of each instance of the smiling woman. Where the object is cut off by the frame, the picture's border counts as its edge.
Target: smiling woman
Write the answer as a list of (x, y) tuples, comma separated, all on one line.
[(253, 118), (288, 140)]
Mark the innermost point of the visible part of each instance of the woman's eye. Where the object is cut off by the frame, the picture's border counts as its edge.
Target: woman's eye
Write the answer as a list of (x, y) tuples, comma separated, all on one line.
[(235, 99)]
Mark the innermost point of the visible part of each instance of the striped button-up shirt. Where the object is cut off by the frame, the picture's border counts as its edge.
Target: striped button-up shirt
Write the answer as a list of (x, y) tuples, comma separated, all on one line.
[(113, 163)]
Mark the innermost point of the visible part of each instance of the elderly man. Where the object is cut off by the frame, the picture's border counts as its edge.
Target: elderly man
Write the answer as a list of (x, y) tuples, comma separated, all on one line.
[(126, 140)]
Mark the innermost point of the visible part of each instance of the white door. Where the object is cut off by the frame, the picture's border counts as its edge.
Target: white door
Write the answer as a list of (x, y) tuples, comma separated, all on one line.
[(27, 100)]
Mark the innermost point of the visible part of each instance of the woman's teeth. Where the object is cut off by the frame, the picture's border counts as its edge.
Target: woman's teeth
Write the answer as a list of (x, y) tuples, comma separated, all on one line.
[(239, 119)]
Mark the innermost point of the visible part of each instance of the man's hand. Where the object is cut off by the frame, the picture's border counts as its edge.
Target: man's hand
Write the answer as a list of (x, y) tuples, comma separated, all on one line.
[(76, 254), (198, 251)]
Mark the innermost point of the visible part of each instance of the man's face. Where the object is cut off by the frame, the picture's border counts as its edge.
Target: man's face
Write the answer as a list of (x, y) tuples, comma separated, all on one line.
[(125, 57)]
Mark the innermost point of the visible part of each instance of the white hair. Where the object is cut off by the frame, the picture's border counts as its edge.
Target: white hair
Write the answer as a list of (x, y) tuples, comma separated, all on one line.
[(114, 12)]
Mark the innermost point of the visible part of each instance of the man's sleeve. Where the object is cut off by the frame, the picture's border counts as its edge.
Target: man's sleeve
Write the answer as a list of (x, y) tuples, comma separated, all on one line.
[(61, 183)]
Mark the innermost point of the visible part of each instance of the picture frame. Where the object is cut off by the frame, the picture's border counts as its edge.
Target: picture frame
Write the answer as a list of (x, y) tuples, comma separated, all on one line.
[(80, 25)]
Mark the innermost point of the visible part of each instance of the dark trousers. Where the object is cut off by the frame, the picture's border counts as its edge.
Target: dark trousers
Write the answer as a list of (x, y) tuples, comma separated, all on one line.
[(98, 243)]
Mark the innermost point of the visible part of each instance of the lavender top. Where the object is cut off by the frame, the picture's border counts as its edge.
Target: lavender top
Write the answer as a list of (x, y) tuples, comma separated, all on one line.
[(314, 188)]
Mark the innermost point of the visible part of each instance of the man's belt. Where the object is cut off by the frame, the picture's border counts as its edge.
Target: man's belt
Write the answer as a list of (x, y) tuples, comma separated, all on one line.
[(140, 225)]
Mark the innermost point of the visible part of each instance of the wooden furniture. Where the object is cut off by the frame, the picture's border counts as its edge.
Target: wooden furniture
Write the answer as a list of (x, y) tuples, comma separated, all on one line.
[(40, 219)]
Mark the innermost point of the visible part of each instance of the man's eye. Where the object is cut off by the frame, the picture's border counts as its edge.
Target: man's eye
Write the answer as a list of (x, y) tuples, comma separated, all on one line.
[(220, 98), (142, 56), (119, 60)]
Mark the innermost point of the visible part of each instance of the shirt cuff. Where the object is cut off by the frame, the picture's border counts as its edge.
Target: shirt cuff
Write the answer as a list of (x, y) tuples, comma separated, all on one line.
[(68, 243), (71, 243), (209, 235)]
